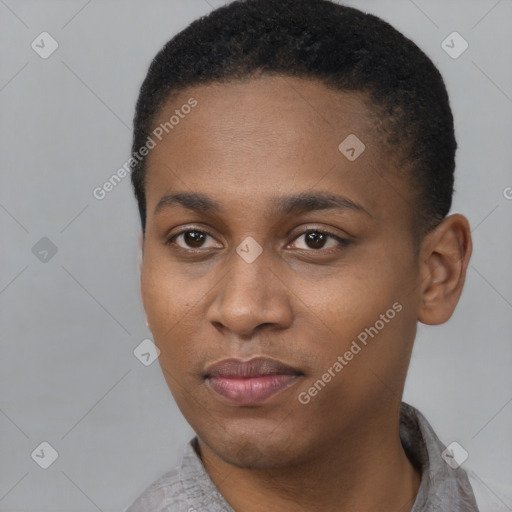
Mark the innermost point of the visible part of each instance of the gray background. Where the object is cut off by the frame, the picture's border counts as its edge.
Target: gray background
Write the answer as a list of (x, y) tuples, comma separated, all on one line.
[(69, 325)]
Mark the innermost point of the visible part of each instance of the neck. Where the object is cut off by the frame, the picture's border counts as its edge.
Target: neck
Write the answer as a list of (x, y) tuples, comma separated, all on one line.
[(367, 472)]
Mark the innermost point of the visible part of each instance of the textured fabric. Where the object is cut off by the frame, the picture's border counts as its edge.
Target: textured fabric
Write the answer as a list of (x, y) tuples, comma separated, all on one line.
[(188, 488)]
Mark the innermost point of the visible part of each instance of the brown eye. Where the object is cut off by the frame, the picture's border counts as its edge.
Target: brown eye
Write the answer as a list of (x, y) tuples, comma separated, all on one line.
[(194, 238), (315, 239), (189, 239)]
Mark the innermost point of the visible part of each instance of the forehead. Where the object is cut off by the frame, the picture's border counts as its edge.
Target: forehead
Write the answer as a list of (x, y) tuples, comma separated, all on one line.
[(259, 108), (250, 139)]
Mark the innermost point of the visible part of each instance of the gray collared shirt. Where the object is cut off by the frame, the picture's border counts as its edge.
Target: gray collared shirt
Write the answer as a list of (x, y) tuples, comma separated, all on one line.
[(188, 488)]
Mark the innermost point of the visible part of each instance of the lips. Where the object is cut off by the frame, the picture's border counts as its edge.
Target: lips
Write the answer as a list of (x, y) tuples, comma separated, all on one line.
[(250, 382)]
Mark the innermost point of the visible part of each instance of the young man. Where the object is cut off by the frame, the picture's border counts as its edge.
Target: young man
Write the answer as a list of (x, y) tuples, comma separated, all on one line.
[(293, 166)]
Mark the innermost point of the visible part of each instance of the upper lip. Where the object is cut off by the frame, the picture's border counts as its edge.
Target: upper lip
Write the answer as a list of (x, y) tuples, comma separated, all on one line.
[(256, 367)]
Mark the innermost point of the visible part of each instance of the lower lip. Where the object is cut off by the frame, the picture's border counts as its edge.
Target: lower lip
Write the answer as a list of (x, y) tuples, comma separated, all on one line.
[(250, 391)]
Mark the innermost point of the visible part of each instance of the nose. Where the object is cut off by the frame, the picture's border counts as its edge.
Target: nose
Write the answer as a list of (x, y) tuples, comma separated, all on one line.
[(250, 297)]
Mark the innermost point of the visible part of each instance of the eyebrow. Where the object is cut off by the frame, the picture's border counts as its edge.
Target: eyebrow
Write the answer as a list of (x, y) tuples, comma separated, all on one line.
[(280, 206)]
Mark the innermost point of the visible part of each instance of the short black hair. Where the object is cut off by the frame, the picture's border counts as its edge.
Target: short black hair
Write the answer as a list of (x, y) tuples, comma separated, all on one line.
[(347, 50)]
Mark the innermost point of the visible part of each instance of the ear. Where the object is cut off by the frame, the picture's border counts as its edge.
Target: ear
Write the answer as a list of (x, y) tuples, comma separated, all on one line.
[(445, 255)]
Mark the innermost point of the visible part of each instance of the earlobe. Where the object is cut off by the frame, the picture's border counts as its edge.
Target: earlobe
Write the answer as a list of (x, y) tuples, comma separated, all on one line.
[(445, 257)]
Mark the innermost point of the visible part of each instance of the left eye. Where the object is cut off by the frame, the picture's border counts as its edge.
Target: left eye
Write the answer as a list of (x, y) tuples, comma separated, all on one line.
[(316, 240)]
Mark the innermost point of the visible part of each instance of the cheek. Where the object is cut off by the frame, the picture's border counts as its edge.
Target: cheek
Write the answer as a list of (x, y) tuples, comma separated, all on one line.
[(174, 302), (367, 304), (168, 301), (167, 312), (347, 302)]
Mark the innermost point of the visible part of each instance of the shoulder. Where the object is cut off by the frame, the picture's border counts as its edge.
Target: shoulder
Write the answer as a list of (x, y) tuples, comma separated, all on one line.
[(166, 494)]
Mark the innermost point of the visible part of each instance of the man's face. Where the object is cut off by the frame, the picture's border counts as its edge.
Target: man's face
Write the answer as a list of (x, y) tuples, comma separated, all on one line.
[(255, 278)]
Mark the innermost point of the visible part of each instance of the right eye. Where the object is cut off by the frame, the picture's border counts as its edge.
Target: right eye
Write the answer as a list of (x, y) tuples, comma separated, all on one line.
[(189, 239)]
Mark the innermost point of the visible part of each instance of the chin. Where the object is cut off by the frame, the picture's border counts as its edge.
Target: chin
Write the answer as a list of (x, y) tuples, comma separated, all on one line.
[(253, 456), (255, 449)]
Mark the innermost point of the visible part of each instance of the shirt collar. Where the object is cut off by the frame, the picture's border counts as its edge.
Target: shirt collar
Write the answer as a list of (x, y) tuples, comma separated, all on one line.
[(442, 487)]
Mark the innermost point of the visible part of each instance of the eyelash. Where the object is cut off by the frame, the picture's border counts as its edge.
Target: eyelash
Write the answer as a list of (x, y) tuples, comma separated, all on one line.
[(343, 242)]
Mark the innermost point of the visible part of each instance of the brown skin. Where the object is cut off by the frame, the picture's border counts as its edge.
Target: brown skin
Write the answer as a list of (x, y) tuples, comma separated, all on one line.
[(245, 143)]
